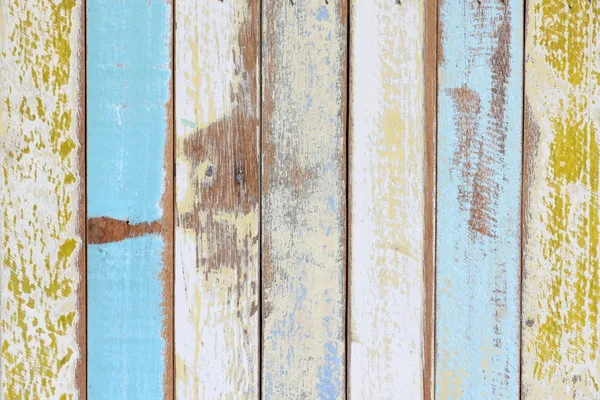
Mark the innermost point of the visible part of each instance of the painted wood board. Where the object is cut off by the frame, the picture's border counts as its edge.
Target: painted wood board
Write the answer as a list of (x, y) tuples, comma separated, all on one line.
[(303, 199), (130, 193), (217, 200), (41, 225), (478, 199), (561, 271), (387, 194)]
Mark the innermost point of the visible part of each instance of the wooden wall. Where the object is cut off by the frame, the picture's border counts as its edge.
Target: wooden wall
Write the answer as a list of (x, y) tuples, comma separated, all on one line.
[(299, 199)]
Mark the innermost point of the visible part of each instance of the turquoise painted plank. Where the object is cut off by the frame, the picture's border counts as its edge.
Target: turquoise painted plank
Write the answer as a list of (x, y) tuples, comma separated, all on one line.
[(480, 82), (125, 345), (129, 136)]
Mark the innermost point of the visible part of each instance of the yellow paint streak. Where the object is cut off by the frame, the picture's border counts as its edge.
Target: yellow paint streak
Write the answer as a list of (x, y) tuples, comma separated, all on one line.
[(387, 217), (38, 232), (562, 332)]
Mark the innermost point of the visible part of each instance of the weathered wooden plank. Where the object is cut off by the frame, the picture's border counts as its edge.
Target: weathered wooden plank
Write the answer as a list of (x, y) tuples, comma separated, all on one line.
[(41, 225), (218, 183), (387, 191), (478, 198), (561, 272), (303, 238), (130, 194)]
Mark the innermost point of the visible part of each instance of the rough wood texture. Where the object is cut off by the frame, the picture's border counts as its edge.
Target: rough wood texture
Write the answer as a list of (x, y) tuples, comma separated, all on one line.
[(130, 195), (561, 288), (41, 189), (387, 189), (218, 183), (304, 104), (478, 197)]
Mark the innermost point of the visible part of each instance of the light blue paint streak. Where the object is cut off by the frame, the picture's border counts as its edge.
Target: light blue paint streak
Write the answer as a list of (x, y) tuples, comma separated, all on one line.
[(322, 14), (127, 83), (124, 294), (478, 275)]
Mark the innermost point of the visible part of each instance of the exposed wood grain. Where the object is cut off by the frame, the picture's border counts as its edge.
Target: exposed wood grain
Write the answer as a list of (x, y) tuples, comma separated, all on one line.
[(431, 84), (561, 292), (41, 230), (130, 195), (303, 240), (387, 195), (106, 230), (478, 198), (218, 181)]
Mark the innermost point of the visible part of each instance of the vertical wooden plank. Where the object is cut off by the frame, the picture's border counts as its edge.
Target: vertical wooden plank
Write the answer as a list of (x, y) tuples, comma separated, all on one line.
[(478, 193), (41, 227), (561, 293), (303, 238), (387, 189), (218, 183), (129, 199)]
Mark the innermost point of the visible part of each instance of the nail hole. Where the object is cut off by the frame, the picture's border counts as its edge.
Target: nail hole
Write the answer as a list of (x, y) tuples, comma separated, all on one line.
[(529, 323), (210, 171)]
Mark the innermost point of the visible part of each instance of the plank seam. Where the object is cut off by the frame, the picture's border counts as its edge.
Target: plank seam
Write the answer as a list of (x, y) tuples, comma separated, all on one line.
[(431, 86), (173, 192), (83, 299), (260, 205), (348, 316), (522, 229)]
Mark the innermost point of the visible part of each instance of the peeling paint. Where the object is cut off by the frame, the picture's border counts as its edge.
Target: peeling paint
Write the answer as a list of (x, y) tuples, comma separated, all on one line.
[(39, 158), (478, 199), (387, 167), (561, 291), (303, 241), (217, 200)]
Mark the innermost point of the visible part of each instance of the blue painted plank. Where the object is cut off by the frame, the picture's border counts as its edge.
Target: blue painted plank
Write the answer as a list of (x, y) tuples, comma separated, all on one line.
[(128, 89), (478, 203)]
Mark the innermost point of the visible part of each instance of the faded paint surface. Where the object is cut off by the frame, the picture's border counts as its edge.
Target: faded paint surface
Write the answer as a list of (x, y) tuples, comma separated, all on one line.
[(304, 51), (40, 238), (478, 200), (561, 292), (387, 165), (128, 133), (217, 200)]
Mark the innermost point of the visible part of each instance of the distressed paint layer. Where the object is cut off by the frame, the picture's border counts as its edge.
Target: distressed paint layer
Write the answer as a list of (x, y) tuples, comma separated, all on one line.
[(478, 199), (217, 199), (561, 291), (387, 219), (40, 235), (304, 53), (129, 148)]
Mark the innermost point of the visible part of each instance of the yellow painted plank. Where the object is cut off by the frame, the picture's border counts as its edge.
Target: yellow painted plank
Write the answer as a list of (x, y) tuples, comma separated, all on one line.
[(41, 132), (387, 192), (561, 289), (217, 199)]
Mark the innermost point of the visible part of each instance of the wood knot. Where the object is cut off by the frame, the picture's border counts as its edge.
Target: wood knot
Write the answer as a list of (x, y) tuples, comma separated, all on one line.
[(239, 175), (529, 322)]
